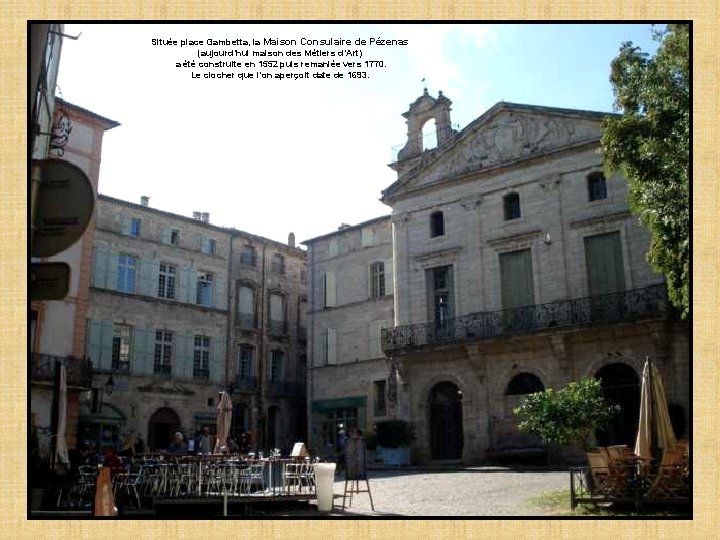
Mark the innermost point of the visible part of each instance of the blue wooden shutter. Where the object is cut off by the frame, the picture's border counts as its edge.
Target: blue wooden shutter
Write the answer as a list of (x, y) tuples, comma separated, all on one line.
[(106, 339), (92, 350)]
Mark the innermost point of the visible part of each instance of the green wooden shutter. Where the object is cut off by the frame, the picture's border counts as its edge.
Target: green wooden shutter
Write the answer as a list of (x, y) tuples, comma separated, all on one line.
[(106, 339), (93, 342), (331, 346), (148, 278), (184, 292), (167, 236), (389, 276), (100, 266), (139, 351), (112, 273), (220, 296), (516, 279), (183, 354), (330, 289), (370, 283), (217, 360), (605, 267)]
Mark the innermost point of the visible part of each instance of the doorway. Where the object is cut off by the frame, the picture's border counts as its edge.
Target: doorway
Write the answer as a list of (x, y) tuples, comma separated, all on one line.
[(621, 387), (446, 425), (163, 423)]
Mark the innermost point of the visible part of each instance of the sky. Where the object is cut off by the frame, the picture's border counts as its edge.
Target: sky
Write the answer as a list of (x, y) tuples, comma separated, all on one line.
[(273, 156)]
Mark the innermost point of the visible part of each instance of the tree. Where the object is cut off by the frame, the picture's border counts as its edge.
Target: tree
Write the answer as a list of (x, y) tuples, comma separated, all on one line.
[(565, 416), (650, 144)]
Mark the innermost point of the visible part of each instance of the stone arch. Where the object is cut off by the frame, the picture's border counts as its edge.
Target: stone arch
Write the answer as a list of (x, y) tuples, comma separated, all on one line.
[(524, 383), (499, 384), (161, 426)]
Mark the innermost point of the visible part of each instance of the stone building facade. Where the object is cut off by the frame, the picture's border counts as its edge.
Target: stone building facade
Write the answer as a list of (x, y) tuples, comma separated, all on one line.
[(350, 302), (162, 329), (517, 267), (57, 327)]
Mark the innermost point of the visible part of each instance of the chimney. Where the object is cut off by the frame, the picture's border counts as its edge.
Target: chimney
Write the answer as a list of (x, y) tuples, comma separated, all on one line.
[(291, 239), (145, 201), (196, 215), (205, 216)]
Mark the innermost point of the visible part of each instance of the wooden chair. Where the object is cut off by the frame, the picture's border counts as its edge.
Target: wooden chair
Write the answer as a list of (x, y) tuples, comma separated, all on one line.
[(600, 474), (670, 479), (620, 463)]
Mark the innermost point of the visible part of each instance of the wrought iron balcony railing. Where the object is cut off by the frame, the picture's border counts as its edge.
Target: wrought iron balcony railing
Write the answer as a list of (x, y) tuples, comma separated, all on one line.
[(607, 308), (78, 371)]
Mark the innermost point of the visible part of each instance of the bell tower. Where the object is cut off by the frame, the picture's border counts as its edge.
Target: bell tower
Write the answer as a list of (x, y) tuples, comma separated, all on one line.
[(422, 110)]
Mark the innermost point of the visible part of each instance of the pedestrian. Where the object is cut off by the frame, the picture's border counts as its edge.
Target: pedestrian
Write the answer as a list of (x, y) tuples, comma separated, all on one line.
[(206, 442), (177, 446), (340, 442)]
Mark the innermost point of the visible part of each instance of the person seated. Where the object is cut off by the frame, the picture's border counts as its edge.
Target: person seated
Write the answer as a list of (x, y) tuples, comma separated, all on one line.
[(177, 446), (231, 445)]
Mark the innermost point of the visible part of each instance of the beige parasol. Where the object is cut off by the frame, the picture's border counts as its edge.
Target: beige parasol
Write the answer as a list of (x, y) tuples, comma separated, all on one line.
[(61, 450), (224, 419), (655, 431)]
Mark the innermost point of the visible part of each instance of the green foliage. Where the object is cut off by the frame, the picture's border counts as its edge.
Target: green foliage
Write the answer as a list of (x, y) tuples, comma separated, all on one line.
[(394, 433), (568, 415), (650, 144)]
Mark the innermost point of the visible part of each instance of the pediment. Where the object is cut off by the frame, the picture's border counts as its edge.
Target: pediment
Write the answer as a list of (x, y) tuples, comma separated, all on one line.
[(505, 134)]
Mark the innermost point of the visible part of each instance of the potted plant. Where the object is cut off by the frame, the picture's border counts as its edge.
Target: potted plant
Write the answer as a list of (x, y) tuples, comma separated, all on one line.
[(394, 438)]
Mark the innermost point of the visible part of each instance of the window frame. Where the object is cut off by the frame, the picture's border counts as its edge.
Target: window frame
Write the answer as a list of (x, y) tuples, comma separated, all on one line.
[(595, 179), (167, 276), (201, 356), (437, 224), (175, 237), (204, 284), (277, 359), (163, 354), (377, 279), (246, 250), (124, 270), (511, 201), (135, 227), (117, 346), (244, 361), (377, 410)]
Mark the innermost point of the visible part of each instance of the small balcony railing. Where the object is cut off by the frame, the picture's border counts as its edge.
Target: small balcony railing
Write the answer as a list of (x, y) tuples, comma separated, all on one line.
[(602, 309), (78, 371)]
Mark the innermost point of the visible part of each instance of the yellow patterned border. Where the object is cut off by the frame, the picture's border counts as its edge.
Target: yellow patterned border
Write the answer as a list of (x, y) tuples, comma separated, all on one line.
[(13, 258)]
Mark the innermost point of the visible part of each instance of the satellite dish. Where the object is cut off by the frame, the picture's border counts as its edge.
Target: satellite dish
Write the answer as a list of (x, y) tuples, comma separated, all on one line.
[(64, 206)]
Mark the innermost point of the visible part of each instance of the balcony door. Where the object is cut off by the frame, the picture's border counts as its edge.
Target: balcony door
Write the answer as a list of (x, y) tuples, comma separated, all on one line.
[(605, 275), (441, 302), (516, 283)]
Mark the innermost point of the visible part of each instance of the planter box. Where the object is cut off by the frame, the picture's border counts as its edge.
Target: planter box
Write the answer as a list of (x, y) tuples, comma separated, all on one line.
[(394, 457)]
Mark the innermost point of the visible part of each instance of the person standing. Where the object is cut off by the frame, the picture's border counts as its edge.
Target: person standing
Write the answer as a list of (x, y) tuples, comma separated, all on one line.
[(340, 442), (206, 442)]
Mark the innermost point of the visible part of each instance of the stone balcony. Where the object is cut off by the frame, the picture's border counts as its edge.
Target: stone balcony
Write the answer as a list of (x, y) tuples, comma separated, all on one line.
[(619, 307)]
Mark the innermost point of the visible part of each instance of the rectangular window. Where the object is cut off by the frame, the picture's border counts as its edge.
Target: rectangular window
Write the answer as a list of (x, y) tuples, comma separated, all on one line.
[(368, 237), (121, 344), (166, 281), (330, 346), (512, 206), (604, 261), (516, 279), (208, 245), (379, 402), (126, 273), (175, 237), (277, 315), (247, 256), (330, 296), (246, 307), (135, 227), (163, 352), (441, 304), (437, 224), (377, 280), (204, 289), (278, 264), (201, 358), (597, 189), (245, 362), (276, 366)]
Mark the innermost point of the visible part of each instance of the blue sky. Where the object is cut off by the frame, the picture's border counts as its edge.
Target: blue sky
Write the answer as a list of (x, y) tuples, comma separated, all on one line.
[(271, 157)]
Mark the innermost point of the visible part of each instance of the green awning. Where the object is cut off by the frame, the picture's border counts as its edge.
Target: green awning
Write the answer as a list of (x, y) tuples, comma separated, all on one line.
[(323, 405)]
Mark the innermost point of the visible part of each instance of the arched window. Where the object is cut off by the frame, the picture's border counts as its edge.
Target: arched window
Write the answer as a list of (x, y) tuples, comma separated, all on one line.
[(524, 383), (597, 189), (511, 204), (429, 135), (437, 224)]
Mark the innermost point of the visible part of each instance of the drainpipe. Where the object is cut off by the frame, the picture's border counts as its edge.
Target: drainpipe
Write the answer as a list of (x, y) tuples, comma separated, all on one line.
[(310, 369), (229, 316), (262, 358)]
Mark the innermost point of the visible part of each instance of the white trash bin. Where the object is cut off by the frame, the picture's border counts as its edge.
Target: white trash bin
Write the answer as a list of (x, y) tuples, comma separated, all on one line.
[(324, 480)]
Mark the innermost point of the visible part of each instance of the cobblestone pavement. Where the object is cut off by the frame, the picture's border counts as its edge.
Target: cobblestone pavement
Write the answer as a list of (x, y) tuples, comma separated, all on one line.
[(468, 492)]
